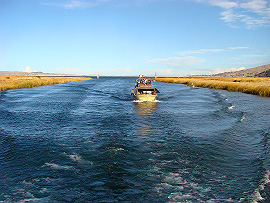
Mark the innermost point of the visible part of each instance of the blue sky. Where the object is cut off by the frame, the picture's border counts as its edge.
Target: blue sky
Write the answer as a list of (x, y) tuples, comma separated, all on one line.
[(131, 37)]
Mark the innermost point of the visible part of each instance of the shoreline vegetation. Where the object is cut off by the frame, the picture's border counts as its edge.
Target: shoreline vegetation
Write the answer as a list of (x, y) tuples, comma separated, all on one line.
[(257, 86), (17, 82)]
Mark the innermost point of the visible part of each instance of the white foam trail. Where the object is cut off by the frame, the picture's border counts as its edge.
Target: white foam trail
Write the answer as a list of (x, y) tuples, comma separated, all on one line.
[(30, 200), (77, 158), (243, 118), (118, 149), (43, 190), (139, 101), (56, 166), (231, 107), (174, 181), (74, 157), (256, 196)]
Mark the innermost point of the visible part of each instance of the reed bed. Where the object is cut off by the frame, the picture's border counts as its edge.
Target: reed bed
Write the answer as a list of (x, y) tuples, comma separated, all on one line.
[(256, 86), (17, 82)]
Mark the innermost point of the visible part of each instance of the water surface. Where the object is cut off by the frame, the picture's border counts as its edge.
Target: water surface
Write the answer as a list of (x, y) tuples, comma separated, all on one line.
[(90, 141)]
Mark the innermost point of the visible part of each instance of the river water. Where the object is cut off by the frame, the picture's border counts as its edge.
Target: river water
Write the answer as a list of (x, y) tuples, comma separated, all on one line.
[(89, 141)]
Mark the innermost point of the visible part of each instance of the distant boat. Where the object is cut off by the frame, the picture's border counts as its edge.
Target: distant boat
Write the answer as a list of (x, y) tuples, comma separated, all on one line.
[(144, 91), (98, 76)]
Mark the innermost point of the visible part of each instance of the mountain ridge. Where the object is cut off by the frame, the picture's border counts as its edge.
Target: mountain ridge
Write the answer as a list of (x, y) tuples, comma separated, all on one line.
[(259, 71)]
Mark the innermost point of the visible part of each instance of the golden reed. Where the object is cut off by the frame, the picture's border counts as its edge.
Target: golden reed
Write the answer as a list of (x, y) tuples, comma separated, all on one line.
[(16, 82), (256, 86)]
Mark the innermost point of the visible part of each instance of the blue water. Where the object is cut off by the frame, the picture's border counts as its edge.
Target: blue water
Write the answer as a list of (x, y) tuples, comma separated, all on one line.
[(90, 141)]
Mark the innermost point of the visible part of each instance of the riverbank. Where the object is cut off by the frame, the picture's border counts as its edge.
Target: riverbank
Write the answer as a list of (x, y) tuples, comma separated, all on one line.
[(17, 82), (256, 86)]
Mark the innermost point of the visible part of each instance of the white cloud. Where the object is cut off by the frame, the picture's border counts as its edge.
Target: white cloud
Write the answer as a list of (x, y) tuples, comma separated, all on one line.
[(118, 71), (74, 4), (178, 61), (235, 48), (223, 3), (229, 16), (218, 70), (191, 60), (204, 51), (28, 69), (249, 56), (101, 71), (162, 71), (253, 13), (78, 71), (128, 3), (201, 51), (261, 55), (257, 6)]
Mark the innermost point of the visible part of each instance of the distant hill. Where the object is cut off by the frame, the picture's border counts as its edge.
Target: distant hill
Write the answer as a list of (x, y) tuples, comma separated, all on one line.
[(264, 74), (260, 71)]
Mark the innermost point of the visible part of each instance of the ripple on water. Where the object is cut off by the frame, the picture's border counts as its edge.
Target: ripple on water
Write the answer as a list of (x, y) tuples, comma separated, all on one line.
[(90, 142)]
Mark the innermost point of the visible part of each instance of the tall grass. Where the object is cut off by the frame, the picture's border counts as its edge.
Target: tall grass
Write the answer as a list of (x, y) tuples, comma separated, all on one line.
[(256, 86), (16, 82)]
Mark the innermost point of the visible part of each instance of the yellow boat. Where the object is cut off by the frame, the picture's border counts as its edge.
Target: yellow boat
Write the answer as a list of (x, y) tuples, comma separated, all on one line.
[(144, 91)]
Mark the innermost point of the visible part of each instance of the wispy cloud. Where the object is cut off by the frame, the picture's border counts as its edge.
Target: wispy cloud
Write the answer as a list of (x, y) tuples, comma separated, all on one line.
[(101, 71), (28, 69), (162, 71), (178, 61), (80, 4), (257, 55), (119, 71), (235, 48), (128, 3), (248, 56), (75, 4), (200, 51), (253, 13), (204, 51), (218, 70), (187, 57), (225, 4)]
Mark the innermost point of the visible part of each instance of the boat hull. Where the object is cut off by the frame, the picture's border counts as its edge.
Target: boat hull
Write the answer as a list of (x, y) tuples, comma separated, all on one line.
[(146, 97)]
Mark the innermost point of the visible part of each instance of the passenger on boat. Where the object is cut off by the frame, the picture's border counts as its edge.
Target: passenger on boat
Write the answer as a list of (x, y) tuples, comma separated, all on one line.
[(147, 81), (140, 81)]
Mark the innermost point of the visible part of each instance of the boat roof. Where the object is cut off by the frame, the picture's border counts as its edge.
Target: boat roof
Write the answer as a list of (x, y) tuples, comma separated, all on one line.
[(145, 86)]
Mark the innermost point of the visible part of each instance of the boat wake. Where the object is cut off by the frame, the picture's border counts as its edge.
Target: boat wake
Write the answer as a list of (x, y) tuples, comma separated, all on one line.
[(92, 141), (139, 101)]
